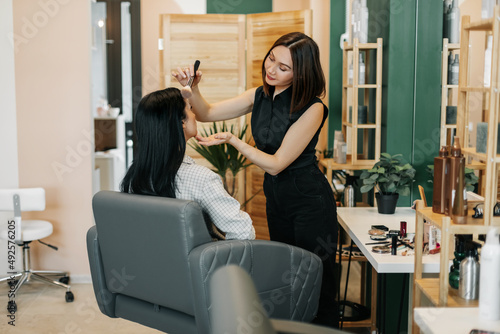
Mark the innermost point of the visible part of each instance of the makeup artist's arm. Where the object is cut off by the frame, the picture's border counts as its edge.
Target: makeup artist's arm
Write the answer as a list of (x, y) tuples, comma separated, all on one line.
[(219, 111), (296, 139), (223, 110)]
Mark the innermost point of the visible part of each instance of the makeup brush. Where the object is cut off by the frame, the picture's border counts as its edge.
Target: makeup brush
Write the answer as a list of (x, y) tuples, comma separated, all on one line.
[(196, 65), (186, 90)]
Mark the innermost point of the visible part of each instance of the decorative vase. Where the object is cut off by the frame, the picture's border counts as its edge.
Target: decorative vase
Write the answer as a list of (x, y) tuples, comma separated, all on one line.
[(386, 204)]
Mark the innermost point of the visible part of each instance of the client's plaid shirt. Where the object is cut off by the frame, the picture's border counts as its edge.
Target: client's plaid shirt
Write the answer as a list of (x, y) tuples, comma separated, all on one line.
[(200, 184)]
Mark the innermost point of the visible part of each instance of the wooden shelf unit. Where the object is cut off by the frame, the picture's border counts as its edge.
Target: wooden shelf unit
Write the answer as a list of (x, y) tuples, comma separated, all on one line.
[(350, 98), (490, 159), (438, 290), (447, 91)]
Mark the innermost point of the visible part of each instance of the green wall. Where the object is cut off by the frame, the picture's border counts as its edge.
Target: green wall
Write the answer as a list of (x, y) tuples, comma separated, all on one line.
[(411, 92), (239, 6)]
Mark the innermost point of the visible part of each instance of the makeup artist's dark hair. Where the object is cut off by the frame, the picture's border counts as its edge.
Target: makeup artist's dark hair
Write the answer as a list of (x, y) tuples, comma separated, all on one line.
[(160, 144), (308, 78)]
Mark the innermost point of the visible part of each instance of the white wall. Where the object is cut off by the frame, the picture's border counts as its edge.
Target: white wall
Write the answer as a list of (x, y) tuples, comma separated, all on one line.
[(9, 177), (52, 81), (8, 132)]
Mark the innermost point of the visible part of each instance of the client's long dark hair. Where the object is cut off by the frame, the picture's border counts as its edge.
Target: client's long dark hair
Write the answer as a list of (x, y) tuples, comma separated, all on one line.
[(160, 144)]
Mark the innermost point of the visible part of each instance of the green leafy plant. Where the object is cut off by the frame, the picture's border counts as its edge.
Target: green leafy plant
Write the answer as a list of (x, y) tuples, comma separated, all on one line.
[(390, 175), (224, 157), (471, 178)]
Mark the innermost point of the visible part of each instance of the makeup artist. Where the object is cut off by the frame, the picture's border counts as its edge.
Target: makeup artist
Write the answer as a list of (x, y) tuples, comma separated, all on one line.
[(287, 117)]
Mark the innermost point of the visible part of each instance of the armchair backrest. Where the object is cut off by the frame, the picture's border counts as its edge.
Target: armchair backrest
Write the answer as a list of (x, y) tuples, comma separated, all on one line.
[(135, 231)]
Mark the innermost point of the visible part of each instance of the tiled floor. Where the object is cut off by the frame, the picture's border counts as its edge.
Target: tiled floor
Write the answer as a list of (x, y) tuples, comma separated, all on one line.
[(43, 309)]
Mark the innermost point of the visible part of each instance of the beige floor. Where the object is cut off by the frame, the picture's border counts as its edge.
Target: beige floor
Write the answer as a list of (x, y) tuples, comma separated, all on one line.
[(42, 309)]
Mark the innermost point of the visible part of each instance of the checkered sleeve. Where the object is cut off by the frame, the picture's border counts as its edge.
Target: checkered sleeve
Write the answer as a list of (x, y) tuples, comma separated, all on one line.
[(198, 183)]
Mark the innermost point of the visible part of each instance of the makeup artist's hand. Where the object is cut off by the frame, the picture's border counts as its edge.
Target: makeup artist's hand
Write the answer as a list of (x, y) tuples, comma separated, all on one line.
[(183, 74), (215, 139)]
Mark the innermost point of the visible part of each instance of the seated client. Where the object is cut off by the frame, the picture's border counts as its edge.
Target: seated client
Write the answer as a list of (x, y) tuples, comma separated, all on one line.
[(164, 123)]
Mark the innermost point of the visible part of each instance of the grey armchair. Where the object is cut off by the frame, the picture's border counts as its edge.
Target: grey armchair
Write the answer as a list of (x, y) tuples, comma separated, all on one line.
[(151, 259), (236, 308)]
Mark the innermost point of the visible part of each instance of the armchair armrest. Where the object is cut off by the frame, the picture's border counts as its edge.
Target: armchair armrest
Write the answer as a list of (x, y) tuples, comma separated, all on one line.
[(287, 278), (105, 298), (236, 307)]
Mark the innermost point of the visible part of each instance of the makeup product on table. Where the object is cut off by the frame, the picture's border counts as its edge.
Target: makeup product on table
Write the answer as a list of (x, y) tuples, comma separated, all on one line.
[(378, 237), (380, 227), (381, 249), (375, 231), (393, 233), (378, 243), (394, 246), (402, 229)]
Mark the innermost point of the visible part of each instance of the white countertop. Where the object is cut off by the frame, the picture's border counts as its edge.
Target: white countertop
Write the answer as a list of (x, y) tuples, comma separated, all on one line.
[(456, 320), (358, 221)]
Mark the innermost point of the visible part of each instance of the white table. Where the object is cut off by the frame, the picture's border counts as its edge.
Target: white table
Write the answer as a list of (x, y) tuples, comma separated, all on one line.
[(358, 221), (457, 320)]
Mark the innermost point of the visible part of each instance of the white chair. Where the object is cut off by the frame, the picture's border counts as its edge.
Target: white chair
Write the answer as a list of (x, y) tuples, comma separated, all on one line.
[(23, 232)]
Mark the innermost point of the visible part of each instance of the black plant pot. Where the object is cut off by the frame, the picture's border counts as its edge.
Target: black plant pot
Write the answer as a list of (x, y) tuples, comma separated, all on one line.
[(386, 203)]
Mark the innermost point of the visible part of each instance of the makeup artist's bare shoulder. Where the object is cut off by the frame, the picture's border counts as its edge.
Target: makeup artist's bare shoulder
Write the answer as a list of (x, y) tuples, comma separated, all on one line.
[(250, 94)]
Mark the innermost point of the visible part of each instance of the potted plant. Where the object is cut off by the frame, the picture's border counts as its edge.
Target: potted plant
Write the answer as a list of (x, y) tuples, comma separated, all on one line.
[(392, 177), (226, 160)]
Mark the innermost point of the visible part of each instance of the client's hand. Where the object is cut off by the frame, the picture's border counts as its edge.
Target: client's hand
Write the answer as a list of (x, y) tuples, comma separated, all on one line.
[(215, 139)]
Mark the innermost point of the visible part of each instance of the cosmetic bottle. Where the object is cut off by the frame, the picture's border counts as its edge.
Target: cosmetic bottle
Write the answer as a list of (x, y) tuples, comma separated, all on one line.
[(487, 7), (363, 23), (454, 70), (454, 276), (439, 183), (355, 19), (450, 180), (341, 152), (487, 62), (450, 64), (454, 23), (349, 196), (361, 79), (489, 280), (350, 73), (468, 285), (446, 7), (456, 200), (459, 196)]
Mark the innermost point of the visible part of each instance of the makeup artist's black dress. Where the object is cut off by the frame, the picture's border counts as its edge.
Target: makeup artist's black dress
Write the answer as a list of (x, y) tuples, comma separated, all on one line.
[(300, 205)]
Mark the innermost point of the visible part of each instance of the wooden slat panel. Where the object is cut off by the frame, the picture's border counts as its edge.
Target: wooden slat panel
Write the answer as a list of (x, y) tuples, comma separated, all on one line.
[(218, 41), (263, 30)]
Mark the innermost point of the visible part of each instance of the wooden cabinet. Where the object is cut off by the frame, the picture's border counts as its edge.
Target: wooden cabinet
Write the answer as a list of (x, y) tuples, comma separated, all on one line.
[(490, 159)]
